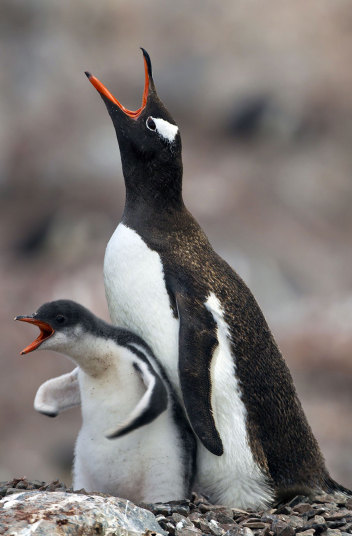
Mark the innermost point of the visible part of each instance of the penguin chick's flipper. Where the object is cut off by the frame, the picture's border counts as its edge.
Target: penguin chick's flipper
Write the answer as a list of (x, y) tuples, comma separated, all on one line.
[(151, 405), (58, 394), (197, 342)]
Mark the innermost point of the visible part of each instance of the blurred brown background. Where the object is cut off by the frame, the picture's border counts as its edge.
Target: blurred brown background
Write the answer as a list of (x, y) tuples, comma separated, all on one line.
[(262, 93)]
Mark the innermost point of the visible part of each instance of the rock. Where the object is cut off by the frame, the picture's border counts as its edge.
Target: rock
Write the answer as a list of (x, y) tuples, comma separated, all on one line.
[(162, 520), (245, 532), (255, 524), (188, 531), (281, 528), (285, 509), (268, 518), (239, 531), (299, 499), (324, 498), (302, 508), (183, 526), (340, 498), (296, 522), (11, 491), (61, 513), (318, 510), (200, 523), (236, 512), (38, 483), (302, 516), (222, 516), (317, 523), (340, 514), (182, 520), (331, 532), (167, 509), (336, 524), (215, 528), (22, 484)]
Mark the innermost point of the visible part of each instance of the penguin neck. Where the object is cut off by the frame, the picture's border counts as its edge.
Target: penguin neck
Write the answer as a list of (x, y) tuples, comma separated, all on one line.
[(152, 189), (93, 355)]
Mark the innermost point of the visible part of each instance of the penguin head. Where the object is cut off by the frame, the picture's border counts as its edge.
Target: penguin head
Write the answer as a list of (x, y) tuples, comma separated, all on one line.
[(149, 139), (61, 323)]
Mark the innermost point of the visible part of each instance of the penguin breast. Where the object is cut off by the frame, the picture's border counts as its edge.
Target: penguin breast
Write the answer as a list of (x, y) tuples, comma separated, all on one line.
[(137, 296)]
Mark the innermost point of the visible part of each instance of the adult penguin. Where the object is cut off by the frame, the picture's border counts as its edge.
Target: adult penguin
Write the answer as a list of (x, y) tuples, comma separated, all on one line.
[(164, 281)]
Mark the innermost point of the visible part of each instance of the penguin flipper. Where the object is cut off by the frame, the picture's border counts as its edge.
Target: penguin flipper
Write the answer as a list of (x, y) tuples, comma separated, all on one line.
[(58, 394), (197, 342), (151, 405)]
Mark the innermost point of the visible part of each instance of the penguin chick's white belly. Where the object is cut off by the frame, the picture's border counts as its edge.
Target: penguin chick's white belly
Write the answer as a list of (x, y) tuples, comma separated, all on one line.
[(146, 464), (137, 296)]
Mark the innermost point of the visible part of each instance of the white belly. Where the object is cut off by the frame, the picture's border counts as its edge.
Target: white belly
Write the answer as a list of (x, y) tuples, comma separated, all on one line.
[(137, 296), (234, 478), (146, 464)]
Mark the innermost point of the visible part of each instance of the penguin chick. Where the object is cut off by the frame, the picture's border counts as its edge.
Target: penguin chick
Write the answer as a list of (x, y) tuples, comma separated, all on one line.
[(122, 389)]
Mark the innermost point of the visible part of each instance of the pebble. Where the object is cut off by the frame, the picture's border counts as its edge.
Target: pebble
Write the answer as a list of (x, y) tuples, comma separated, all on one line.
[(170, 528), (284, 510), (247, 532), (317, 523), (188, 531), (201, 524), (268, 518), (299, 499), (296, 522), (338, 515), (181, 521), (281, 528), (237, 512), (336, 524), (323, 515), (22, 484), (302, 508), (168, 508), (11, 491), (255, 524), (318, 510), (332, 532)]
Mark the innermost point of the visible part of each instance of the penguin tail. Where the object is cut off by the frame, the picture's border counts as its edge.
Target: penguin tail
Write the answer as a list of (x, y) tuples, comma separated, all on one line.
[(331, 486)]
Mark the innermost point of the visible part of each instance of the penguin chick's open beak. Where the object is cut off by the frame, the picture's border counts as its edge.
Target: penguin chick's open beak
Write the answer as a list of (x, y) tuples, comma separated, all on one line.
[(46, 331), (106, 93)]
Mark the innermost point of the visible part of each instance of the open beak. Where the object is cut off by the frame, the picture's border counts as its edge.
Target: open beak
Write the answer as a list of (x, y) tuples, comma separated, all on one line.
[(46, 331), (147, 83)]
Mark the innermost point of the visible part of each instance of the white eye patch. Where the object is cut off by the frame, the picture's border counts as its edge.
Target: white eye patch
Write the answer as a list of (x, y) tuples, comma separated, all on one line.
[(165, 129)]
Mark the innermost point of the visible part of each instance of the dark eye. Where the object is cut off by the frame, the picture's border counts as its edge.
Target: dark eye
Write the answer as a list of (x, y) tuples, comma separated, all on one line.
[(150, 123), (60, 319)]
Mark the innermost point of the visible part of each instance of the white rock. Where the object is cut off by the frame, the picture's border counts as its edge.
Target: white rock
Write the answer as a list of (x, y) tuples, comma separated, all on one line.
[(31, 513)]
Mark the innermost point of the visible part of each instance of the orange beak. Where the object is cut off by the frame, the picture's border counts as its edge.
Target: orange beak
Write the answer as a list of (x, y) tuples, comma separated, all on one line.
[(104, 91), (46, 331)]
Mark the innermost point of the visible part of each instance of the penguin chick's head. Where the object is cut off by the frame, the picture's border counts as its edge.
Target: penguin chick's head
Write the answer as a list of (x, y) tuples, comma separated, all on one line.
[(60, 322), (149, 139)]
